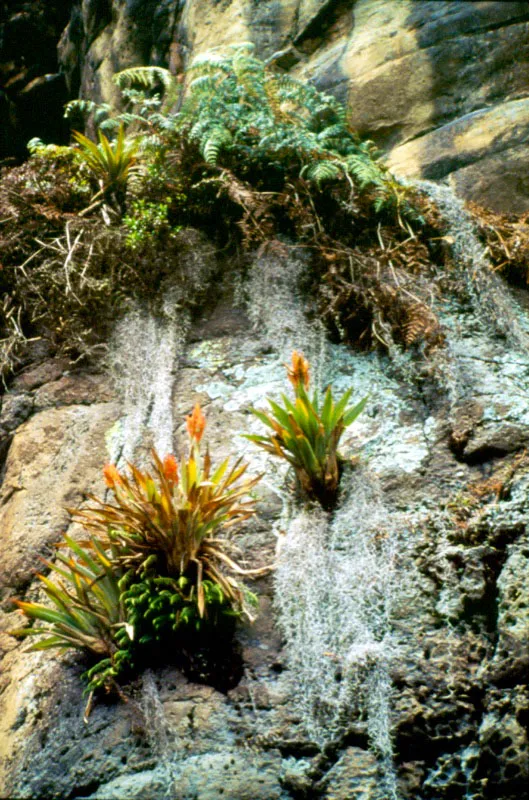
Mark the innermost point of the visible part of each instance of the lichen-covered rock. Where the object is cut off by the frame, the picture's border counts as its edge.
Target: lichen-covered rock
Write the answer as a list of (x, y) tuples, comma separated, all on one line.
[(511, 658), (504, 743)]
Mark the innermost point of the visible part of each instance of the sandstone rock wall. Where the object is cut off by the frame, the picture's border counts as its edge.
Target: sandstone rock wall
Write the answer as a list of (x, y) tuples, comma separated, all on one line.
[(441, 87)]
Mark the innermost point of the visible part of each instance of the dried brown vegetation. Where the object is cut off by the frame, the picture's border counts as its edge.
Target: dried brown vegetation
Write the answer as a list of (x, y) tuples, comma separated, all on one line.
[(506, 237), (65, 277), (377, 281)]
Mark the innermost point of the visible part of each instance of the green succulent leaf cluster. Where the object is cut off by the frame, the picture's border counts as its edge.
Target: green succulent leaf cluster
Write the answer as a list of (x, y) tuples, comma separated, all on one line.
[(158, 607), (306, 432)]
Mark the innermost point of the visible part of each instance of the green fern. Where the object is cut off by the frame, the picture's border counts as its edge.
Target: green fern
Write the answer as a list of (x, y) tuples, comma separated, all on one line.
[(364, 170), (145, 77), (236, 109), (102, 112), (213, 142), (322, 171)]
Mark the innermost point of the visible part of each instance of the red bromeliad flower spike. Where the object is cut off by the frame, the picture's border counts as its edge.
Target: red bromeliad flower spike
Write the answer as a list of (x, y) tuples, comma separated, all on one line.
[(112, 476), (170, 468)]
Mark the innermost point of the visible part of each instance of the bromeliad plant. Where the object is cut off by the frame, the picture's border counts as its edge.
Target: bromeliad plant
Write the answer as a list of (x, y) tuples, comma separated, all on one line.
[(168, 522), (306, 432), (110, 163), (86, 612), (155, 567)]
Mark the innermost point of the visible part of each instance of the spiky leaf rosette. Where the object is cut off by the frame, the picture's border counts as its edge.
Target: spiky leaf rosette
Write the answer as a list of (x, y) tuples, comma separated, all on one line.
[(85, 611), (306, 432), (110, 163), (170, 518)]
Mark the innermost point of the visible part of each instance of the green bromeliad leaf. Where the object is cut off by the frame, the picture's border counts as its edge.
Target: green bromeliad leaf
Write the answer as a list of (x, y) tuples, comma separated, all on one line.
[(84, 605), (306, 432)]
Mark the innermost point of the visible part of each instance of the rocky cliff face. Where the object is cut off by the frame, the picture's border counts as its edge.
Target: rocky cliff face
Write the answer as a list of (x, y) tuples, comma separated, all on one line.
[(441, 87), (391, 653)]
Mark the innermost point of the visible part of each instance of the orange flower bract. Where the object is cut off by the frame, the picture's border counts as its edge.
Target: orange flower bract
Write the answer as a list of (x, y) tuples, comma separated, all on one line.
[(298, 373), (112, 475), (196, 423), (170, 468)]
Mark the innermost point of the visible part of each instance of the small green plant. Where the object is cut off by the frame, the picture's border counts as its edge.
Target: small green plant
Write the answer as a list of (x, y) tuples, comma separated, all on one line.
[(86, 612), (52, 152), (306, 432), (147, 222), (111, 165), (158, 607)]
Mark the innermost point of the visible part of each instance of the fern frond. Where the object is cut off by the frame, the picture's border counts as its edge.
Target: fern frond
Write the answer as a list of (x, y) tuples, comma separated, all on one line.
[(213, 142), (364, 170), (110, 125), (84, 107), (127, 118), (333, 134), (322, 171), (206, 83), (146, 77), (163, 122)]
